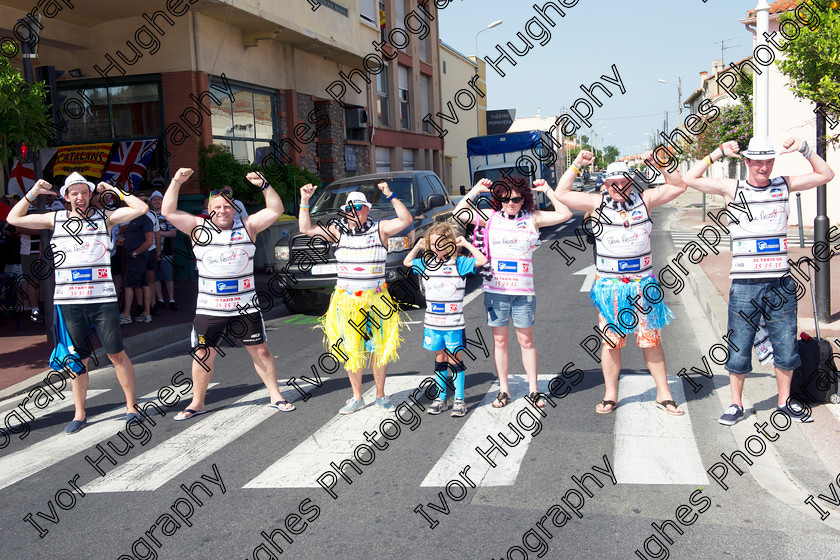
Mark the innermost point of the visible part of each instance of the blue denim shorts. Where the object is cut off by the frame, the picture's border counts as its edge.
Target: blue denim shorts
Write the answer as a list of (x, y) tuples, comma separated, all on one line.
[(501, 307), (776, 297)]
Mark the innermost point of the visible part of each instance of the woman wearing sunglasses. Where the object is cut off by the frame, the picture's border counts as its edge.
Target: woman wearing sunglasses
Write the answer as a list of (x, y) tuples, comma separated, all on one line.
[(626, 293), (510, 236), (361, 300)]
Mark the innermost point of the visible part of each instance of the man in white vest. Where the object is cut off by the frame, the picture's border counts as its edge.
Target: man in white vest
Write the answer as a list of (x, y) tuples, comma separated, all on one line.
[(226, 311), (761, 281), (84, 287)]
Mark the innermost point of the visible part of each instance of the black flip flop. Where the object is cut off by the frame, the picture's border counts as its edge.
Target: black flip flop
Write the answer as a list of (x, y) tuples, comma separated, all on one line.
[(191, 413)]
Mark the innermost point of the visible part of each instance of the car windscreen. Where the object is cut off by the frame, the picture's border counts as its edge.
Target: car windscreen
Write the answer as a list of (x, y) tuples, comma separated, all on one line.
[(334, 197), (496, 174)]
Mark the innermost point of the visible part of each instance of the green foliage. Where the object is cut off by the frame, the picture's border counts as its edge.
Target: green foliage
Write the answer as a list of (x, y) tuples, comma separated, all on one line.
[(218, 167), (812, 62), (610, 154), (733, 123), (24, 116)]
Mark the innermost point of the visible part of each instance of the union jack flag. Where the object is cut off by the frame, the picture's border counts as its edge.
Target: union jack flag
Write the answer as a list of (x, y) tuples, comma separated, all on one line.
[(128, 163)]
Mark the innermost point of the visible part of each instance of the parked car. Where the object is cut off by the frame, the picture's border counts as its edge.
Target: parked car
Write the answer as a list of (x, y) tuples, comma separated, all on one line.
[(578, 184), (422, 192)]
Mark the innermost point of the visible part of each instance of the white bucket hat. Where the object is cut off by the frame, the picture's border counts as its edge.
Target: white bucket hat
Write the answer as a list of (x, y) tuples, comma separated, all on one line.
[(156, 194), (357, 197), (75, 179), (760, 148)]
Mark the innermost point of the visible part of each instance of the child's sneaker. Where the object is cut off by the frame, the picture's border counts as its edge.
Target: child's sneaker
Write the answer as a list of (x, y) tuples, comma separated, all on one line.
[(459, 408), (438, 406)]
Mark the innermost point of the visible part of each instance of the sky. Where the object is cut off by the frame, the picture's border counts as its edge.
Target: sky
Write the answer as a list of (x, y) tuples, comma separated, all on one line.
[(646, 41)]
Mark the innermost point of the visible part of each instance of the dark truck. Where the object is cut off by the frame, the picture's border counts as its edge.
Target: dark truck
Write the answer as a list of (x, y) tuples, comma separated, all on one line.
[(307, 265)]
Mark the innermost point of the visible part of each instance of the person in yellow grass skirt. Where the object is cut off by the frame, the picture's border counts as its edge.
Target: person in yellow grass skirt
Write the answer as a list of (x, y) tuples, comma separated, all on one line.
[(363, 321)]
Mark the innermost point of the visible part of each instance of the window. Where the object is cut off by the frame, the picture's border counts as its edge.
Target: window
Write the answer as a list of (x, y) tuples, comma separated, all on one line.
[(368, 12), (437, 185), (383, 113), (407, 159), (405, 106), (97, 114), (246, 125), (444, 67), (383, 159), (425, 93), (399, 15), (426, 189)]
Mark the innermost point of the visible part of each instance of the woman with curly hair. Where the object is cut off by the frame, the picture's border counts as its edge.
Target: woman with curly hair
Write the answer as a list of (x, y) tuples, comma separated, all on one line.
[(510, 236)]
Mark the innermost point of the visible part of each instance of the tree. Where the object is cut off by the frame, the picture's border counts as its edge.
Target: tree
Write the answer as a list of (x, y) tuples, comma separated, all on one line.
[(610, 154), (24, 115), (812, 61), (733, 123)]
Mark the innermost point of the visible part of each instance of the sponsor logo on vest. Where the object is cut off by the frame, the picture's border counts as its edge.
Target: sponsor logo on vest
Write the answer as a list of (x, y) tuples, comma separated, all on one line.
[(508, 266), (236, 235), (82, 274), (453, 307), (447, 270), (227, 287), (343, 269), (376, 270), (91, 227), (359, 269), (102, 273), (776, 193), (768, 246), (526, 267), (636, 215), (629, 266), (438, 308), (522, 224)]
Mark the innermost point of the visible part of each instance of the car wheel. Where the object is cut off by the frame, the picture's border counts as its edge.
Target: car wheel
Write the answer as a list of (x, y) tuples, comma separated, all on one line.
[(302, 301)]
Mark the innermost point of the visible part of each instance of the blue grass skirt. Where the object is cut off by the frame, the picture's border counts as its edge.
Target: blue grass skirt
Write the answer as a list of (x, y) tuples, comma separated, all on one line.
[(614, 298)]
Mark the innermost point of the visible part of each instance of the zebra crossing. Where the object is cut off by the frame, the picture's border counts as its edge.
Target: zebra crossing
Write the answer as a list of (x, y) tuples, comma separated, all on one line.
[(640, 429), (681, 238)]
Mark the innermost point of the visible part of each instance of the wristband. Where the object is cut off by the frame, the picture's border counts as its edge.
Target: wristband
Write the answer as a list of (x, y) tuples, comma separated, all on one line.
[(808, 153), (120, 194), (708, 160), (30, 199), (177, 181), (265, 186), (722, 151), (575, 168), (804, 147), (302, 206), (391, 197)]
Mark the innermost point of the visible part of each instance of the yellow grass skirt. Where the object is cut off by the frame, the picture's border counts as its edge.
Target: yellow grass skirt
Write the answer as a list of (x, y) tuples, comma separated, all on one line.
[(365, 308)]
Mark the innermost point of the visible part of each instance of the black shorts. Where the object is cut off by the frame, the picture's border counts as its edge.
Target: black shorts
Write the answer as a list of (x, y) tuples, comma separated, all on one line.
[(209, 330), (105, 320), (117, 262), (151, 264), (135, 270)]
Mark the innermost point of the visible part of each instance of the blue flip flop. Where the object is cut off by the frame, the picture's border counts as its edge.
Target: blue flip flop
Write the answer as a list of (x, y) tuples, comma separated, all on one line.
[(191, 413), (283, 406), (133, 417)]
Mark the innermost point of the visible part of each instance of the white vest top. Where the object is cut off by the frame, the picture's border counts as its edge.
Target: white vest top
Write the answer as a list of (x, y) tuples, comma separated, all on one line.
[(445, 290), (511, 245), (82, 260), (759, 246), (622, 247), (225, 269), (361, 260)]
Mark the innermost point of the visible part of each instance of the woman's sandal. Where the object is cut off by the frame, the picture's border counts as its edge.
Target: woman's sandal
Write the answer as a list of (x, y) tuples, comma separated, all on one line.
[(502, 399), (663, 405), (612, 404), (536, 397)]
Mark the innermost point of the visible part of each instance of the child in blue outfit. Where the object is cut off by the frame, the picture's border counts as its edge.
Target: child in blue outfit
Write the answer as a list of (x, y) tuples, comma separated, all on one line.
[(443, 273)]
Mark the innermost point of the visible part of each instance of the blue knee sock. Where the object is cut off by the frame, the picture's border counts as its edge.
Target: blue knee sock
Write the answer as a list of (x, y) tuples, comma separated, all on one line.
[(459, 374), (440, 379)]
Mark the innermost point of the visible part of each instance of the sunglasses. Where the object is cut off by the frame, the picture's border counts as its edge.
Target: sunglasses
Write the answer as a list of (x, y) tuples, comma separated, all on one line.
[(355, 206), (513, 199), (220, 191)]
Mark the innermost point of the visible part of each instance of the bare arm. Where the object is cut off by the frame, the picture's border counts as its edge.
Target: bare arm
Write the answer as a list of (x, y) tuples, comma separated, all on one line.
[(387, 228), (263, 219), (466, 206), (480, 259), (135, 206), (722, 187), (822, 173), (587, 202), (183, 221), (17, 216), (674, 186), (560, 214), (304, 220)]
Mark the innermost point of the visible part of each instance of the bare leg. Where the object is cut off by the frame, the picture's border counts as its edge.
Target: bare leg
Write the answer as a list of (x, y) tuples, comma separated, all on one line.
[(79, 386), (129, 299), (356, 383), (611, 367), (264, 364), (147, 300), (379, 373), (655, 360), (500, 357), (125, 375), (525, 337), (783, 380), (201, 377), (170, 289), (736, 387)]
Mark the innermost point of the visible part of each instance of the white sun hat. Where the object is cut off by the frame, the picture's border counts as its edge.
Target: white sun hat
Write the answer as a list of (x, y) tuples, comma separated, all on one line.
[(357, 197), (760, 148), (75, 179)]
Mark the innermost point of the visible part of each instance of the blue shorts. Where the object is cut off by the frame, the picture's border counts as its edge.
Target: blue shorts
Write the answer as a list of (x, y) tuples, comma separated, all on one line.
[(501, 307), (436, 340), (767, 294), (164, 269)]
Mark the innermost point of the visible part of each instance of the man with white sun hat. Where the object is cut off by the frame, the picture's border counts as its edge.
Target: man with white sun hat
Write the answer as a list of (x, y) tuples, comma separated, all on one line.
[(84, 288), (760, 273)]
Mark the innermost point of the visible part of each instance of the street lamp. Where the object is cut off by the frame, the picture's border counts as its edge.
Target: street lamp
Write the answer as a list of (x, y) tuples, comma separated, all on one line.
[(679, 92), (496, 23)]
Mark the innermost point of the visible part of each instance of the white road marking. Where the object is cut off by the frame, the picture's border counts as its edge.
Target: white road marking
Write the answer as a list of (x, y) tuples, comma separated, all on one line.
[(48, 452), (58, 403), (589, 272), (206, 435), (652, 447), (335, 440), (488, 421)]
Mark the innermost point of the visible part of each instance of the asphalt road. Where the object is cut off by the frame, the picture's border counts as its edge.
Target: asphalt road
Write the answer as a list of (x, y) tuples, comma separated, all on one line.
[(594, 483)]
